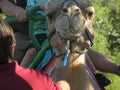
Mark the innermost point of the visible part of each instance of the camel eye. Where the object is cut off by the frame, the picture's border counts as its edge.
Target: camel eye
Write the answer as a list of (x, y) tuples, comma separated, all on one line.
[(90, 14), (64, 10)]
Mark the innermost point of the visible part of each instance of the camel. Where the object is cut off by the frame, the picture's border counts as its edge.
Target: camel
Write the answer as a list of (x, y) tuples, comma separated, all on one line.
[(70, 32)]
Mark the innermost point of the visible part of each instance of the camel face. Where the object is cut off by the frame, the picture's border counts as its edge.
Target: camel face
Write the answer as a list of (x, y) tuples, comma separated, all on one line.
[(70, 23), (71, 18)]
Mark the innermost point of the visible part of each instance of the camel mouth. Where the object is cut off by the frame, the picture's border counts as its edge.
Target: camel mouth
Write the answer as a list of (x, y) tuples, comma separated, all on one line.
[(69, 35), (70, 27)]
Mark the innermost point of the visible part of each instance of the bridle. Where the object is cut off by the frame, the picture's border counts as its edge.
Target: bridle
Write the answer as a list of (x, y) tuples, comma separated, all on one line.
[(67, 47), (68, 41)]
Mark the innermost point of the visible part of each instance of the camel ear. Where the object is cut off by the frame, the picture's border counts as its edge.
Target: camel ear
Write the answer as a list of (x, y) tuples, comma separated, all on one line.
[(89, 1)]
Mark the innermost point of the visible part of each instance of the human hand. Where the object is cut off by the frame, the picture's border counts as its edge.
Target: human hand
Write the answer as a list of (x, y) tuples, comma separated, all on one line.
[(64, 85), (21, 14)]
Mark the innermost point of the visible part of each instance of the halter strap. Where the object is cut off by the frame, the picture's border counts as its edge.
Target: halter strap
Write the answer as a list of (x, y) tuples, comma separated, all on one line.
[(89, 35)]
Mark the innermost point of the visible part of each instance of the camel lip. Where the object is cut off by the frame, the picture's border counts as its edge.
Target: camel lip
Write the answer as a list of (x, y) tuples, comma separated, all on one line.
[(77, 34)]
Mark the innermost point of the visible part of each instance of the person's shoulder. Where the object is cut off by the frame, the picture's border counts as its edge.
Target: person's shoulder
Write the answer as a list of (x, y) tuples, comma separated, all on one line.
[(31, 72)]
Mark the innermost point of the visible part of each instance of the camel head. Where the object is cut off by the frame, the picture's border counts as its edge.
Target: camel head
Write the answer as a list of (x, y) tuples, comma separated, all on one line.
[(72, 21)]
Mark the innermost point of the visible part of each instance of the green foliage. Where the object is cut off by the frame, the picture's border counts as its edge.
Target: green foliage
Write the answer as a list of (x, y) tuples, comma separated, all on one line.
[(114, 82), (107, 39), (2, 16), (100, 44), (107, 19)]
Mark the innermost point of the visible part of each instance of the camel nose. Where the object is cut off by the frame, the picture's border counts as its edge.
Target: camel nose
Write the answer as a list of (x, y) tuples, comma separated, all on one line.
[(72, 9), (75, 8)]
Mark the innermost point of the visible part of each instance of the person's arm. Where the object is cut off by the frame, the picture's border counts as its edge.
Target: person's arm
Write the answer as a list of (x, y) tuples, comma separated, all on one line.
[(102, 63), (10, 10)]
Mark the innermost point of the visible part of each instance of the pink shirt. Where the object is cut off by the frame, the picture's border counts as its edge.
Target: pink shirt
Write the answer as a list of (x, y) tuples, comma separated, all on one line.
[(15, 77)]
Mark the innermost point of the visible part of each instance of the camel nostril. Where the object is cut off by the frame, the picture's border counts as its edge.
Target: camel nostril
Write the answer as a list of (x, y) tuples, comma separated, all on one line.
[(76, 8)]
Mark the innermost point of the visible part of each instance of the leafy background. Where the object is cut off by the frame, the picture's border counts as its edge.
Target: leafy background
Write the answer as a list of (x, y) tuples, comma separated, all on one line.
[(107, 39)]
